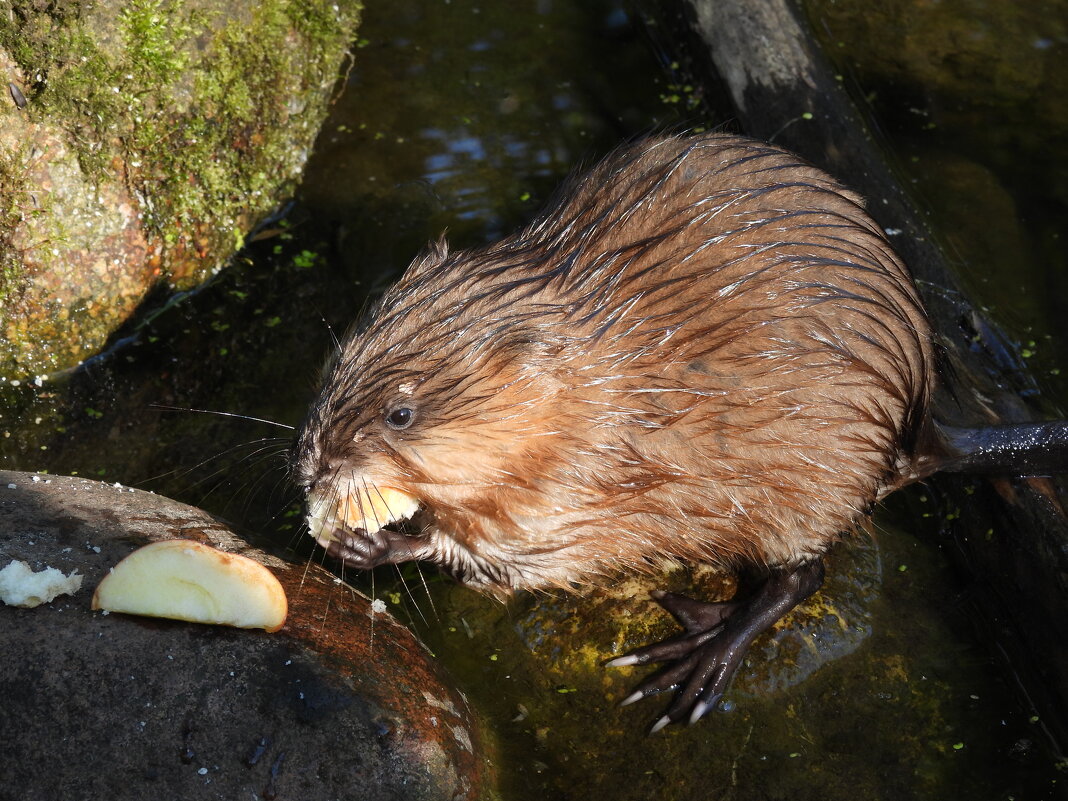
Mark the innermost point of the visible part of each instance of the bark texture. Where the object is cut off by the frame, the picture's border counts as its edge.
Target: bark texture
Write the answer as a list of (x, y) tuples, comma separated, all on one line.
[(342, 702)]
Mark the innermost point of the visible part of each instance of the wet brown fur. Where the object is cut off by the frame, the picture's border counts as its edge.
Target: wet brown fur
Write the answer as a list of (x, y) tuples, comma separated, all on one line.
[(703, 350)]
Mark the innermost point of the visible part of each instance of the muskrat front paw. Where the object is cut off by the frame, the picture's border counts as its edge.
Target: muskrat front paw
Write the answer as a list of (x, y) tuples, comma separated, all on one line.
[(703, 659)]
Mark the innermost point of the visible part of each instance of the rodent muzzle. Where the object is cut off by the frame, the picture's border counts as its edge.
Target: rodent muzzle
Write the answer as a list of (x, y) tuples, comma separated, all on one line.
[(350, 518)]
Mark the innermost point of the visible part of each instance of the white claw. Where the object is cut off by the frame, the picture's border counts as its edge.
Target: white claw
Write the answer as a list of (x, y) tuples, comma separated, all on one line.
[(664, 721), (698, 712), (622, 661), (630, 699)]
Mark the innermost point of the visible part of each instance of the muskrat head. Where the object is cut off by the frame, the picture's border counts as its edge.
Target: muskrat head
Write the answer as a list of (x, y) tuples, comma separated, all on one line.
[(437, 405)]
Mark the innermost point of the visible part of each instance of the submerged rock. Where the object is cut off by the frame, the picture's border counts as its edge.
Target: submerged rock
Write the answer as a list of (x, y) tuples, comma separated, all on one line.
[(343, 702)]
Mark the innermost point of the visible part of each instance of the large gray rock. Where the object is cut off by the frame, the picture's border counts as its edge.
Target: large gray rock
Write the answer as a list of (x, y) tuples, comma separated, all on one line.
[(341, 703)]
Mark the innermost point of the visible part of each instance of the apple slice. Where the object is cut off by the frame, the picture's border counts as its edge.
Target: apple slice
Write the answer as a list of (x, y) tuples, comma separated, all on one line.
[(354, 508), (185, 580)]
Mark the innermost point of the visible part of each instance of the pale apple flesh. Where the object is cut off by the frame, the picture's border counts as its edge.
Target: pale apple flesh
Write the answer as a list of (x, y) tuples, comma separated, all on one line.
[(367, 508), (187, 580)]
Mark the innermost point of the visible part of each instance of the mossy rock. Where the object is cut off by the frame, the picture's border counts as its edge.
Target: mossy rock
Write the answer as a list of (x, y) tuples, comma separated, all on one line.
[(140, 141)]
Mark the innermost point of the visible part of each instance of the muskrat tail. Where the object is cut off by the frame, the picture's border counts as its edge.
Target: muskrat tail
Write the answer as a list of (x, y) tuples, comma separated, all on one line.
[(1021, 449)]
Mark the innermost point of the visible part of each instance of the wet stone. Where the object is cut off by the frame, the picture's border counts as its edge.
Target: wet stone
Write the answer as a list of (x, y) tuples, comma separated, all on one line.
[(335, 705)]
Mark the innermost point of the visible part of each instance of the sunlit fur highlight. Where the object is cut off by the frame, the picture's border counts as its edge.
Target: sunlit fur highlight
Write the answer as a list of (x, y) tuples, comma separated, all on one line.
[(703, 350)]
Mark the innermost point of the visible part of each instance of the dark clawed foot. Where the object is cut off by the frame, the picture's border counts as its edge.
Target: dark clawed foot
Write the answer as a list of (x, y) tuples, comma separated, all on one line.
[(703, 659)]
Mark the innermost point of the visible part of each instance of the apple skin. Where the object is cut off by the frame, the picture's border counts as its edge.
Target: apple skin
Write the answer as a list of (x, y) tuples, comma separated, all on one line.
[(187, 580)]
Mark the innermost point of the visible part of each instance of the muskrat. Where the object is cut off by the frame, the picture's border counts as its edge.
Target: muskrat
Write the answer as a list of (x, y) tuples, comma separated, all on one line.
[(704, 350)]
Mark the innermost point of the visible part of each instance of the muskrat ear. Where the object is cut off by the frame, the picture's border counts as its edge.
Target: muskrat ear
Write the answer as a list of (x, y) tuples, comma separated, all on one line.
[(522, 346), (535, 354)]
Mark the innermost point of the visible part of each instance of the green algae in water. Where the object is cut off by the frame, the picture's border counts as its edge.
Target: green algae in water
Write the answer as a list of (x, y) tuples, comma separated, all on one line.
[(973, 96)]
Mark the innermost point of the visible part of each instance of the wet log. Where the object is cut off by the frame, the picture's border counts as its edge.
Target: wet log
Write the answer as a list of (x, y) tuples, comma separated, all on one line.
[(1009, 535)]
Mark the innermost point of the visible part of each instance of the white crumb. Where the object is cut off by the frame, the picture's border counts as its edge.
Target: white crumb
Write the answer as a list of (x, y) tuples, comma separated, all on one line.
[(21, 586)]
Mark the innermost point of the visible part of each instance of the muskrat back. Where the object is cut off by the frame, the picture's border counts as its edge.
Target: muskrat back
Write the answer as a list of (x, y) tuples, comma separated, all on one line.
[(704, 349)]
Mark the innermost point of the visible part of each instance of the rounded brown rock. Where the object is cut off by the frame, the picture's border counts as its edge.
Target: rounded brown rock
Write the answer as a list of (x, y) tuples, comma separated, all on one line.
[(341, 702)]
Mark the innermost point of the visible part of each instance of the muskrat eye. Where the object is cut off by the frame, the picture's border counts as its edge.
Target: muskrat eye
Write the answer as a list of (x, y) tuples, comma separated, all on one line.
[(400, 418)]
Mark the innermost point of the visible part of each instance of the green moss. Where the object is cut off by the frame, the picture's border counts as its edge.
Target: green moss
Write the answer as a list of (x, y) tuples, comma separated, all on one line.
[(317, 21), (203, 108), (11, 190), (197, 115), (148, 33), (18, 203)]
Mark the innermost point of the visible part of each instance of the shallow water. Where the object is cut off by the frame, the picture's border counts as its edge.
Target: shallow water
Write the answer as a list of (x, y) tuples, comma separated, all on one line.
[(464, 116)]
